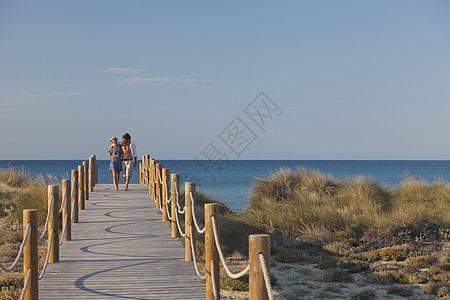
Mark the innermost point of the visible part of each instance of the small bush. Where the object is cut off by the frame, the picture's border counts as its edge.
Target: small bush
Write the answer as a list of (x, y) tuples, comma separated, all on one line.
[(437, 288), (420, 262), (290, 256), (397, 253), (364, 295), (339, 248), (400, 290), (231, 284), (327, 262), (333, 275), (353, 266), (382, 277), (443, 266)]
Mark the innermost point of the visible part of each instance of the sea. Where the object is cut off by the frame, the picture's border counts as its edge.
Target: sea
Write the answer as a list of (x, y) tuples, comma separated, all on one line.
[(232, 183)]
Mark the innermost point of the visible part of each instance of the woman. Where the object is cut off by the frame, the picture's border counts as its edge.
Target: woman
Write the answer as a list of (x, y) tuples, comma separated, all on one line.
[(115, 166)]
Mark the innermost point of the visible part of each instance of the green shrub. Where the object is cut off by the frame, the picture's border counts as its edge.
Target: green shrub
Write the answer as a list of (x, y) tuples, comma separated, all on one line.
[(382, 277), (353, 266), (333, 275), (397, 253), (437, 289), (420, 262), (364, 295), (290, 256), (400, 290), (231, 284)]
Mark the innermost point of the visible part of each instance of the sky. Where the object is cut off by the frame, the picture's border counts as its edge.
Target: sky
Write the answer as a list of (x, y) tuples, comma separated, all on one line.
[(230, 79)]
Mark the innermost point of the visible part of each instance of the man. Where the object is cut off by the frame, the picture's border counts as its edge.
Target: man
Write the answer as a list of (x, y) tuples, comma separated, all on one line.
[(129, 158)]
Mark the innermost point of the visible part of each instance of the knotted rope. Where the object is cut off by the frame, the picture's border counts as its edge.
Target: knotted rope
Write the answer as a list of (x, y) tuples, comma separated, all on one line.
[(19, 255)]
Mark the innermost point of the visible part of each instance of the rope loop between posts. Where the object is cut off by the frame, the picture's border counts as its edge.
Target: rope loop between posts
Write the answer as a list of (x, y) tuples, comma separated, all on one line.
[(49, 246), (178, 225), (63, 201), (203, 277), (49, 211), (222, 258), (66, 220), (213, 279), (19, 255), (194, 217), (178, 204), (266, 275), (27, 283), (168, 211), (159, 175)]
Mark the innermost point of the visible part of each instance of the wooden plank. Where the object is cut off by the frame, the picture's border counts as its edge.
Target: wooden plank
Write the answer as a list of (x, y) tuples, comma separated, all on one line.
[(121, 249)]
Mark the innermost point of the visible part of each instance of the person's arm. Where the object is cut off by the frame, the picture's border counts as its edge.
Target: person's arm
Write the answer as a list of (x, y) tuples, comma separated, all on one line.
[(134, 153)]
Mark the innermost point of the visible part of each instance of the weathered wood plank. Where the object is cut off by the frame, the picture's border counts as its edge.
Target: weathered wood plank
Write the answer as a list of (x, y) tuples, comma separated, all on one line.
[(121, 249)]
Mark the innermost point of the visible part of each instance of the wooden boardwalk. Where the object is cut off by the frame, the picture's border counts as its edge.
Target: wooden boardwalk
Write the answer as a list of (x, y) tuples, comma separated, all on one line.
[(121, 249)]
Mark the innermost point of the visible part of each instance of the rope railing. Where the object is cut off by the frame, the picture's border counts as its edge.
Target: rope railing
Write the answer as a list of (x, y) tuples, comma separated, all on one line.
[(194, 217), (259, 245), (178, 203), (49, 211), (213, 280), (19, 255), (63, 201), (66, 221), (262, 259), (29, 246), (194, 257), (222, 258), (49, 246), (27, 284)]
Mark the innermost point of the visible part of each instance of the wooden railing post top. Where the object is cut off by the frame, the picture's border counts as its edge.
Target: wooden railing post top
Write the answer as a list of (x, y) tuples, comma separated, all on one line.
[(211, 206), (262, 236), (30, 211), (175, 175), (74, 172), (53, 188), (190, 184), (66, 181)]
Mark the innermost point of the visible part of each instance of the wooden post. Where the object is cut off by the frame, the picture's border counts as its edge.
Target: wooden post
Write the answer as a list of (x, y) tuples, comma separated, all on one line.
[(143, 171), (86, 180), (188, 188), (75, 196), (175, 186), (165, 191), (81, 198), (211, 254), (258, 243), (53, 223), (158, 185), (147, 171), (151, 178), (95, 169), (140, 173), (30, 254), (91, 174), (66, 212)]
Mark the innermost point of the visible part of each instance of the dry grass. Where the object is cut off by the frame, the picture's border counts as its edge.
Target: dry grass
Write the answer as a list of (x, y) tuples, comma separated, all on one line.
[(310, 205)]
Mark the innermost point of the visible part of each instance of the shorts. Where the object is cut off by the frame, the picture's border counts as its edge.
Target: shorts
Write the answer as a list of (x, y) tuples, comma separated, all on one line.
[(127, 168)]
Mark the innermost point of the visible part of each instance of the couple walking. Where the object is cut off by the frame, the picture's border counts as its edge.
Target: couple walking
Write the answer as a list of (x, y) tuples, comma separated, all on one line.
[(123, 158)]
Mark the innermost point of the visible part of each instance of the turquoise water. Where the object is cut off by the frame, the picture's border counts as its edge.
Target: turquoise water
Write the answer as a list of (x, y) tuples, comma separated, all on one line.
[(233, 182)]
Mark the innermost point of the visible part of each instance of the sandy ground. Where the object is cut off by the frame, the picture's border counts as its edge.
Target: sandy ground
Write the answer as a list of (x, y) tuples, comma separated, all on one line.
[(295, 281)]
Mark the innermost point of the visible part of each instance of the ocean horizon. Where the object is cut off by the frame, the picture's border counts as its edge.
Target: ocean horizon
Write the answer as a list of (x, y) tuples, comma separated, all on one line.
[(231, 183)]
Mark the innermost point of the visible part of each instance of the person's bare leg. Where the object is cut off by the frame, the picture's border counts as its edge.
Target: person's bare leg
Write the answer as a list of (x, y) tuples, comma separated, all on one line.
[(116, 180), (127, 180)]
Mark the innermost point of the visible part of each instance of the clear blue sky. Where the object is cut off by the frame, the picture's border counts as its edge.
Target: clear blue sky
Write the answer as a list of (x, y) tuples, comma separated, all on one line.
[(355, 79)]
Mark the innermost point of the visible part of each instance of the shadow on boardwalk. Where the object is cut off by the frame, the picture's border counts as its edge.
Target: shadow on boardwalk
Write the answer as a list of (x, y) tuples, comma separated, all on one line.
[(121, 249)]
